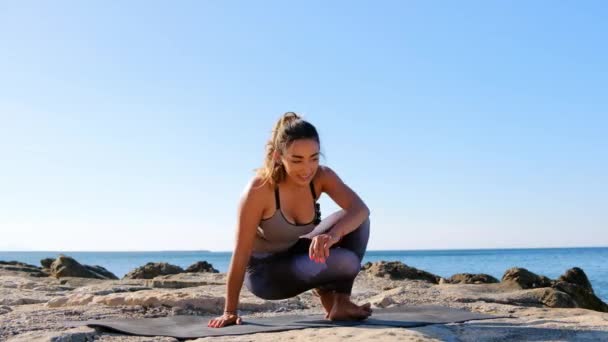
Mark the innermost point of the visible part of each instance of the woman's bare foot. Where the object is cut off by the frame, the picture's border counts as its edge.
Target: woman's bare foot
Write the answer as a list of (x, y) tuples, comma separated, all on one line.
[(367, 307), (327, 299), (345, 310)]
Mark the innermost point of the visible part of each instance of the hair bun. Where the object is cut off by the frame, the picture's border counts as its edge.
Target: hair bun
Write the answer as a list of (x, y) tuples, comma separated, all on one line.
[(289, 117)]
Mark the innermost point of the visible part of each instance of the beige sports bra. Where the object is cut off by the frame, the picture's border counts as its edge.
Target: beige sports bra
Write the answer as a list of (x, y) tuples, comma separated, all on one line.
[(276, 234)]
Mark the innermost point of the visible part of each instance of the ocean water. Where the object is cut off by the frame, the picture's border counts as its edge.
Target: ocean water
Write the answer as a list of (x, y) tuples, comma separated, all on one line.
[(551, 262)]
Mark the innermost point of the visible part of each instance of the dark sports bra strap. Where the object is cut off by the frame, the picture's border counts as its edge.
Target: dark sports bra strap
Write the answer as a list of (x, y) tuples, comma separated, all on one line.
[(312, 189), (277, 201)]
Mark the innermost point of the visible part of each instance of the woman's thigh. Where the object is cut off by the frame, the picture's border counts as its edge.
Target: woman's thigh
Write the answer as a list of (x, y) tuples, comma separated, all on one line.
[(290, 275)]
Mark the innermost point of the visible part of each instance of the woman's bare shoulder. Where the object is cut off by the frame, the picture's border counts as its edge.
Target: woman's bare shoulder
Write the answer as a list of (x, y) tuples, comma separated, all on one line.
[(257, 188), (325, 173)]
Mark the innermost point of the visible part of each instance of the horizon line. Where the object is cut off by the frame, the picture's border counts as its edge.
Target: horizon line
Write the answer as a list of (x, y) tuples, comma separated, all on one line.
[(371, 250)]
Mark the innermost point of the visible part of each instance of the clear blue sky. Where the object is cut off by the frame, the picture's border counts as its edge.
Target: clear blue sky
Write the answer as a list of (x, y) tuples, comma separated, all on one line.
[(135, 125)]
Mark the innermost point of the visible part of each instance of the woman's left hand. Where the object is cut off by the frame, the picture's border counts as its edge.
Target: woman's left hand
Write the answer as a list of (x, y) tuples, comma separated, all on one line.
[(319, 247)]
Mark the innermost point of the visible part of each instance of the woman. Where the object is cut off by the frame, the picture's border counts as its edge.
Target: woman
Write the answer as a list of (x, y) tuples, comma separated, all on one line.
[(278, 207)]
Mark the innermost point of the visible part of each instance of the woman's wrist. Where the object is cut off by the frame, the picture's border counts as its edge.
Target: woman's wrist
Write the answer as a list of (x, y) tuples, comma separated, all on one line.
[(334, 236)]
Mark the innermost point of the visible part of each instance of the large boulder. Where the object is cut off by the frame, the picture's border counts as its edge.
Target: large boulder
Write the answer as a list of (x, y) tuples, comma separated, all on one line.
[(65, 266), (576, 276), (397, 270), (468, 278), (153, 269), (201, 266), (572, 289), (583, 298), (525, 279), (554, 298), (576, 284)]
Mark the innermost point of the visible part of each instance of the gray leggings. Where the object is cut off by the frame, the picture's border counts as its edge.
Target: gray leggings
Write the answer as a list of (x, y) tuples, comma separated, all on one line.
[(288, 273)]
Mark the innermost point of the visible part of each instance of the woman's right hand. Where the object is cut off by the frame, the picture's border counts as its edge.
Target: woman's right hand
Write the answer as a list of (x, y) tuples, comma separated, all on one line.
[(224, 320)]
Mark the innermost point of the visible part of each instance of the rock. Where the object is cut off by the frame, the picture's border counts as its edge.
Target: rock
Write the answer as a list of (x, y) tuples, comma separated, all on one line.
[(582, 296), (102, 290), (556, 299), (397, 270), (153, 269), (497, 293), (65, 266), (4, 309), (201, 266), (576, 276), (576, 284), (17, 266), (12, 297), (79, 334), (52, 288), (17, 263), (387, 298), (573, 288), (105, 274), (525, 279), (176, 310), (174, 284), (184, 280), (468, 278), (540, 296), (47, 262), (530, 310), (78, 282), (383, 302), (168, 298)]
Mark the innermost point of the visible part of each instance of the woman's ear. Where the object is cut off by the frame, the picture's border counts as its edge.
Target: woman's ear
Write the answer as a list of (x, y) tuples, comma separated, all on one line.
[(276, 156)]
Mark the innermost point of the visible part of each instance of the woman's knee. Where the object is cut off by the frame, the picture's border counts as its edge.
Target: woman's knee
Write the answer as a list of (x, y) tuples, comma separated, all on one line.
[(345, 263), (266, 292), (356, 240), (365, 225), (362, 230), (260, 287)]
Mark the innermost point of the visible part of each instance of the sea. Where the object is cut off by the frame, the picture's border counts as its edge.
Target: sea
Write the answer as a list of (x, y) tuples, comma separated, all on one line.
[(551, 262)]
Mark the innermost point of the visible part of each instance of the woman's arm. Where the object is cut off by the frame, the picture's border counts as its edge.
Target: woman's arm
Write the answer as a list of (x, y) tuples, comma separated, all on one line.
[(356, 213), (250, 211), (356, 210)]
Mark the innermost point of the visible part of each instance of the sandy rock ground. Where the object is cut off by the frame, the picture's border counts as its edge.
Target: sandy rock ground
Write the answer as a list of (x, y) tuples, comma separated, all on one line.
[(33, 309)]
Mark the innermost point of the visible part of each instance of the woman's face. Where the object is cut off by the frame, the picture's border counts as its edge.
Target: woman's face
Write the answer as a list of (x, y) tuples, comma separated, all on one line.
[(301, 160)]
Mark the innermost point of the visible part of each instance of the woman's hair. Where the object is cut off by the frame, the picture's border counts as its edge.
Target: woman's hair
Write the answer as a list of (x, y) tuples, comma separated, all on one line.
[(287, 129)]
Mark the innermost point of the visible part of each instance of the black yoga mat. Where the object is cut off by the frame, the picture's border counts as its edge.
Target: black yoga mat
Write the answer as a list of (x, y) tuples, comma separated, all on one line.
[(185, 327)]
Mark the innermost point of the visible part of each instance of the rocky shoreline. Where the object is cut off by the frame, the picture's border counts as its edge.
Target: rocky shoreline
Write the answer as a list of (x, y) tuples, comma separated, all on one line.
[(34, 301)]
